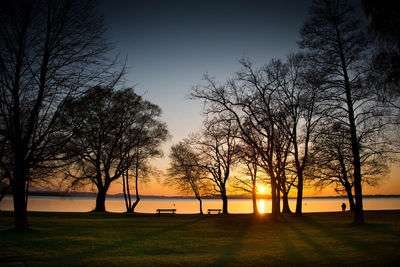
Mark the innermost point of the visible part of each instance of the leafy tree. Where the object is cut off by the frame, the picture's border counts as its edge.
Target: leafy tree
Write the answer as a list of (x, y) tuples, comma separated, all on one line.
[(50, 51), (109, 129), (151, 133)]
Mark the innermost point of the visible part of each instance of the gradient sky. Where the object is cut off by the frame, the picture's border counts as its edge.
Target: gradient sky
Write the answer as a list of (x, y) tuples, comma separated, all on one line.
[(170, 44)]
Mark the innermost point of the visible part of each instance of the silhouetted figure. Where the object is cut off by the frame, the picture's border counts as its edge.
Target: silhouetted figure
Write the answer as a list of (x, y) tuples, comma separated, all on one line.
[(343, 207)]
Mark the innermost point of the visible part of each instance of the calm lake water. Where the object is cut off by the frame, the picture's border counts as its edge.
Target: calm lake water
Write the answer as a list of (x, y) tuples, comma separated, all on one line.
[(149, 205)]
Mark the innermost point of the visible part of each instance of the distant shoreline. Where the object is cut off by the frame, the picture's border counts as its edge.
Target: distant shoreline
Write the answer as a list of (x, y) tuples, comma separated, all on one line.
[(91, 194)]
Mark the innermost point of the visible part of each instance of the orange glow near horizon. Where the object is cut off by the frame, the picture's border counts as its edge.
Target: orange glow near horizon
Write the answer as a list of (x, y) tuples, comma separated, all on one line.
[(261, 190), (388, 186)]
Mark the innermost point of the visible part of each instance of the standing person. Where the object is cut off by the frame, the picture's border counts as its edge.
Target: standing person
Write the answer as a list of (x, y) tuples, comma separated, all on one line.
[(343, 207)]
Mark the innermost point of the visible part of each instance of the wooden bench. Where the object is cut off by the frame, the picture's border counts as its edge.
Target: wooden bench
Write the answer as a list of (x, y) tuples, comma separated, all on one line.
[(172, 211), (216, 211)]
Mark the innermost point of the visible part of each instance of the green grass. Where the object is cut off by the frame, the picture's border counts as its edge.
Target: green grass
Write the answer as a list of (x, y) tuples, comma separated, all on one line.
[(106, 239)]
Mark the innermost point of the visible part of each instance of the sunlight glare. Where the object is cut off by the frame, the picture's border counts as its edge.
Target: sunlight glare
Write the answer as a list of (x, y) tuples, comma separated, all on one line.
[(261, 208), (261, 189)]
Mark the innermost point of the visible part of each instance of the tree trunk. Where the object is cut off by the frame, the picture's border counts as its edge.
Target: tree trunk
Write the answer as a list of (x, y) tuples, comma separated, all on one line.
[(348, 187), (224, 203), (285, 203), (201, 205), (275, 204), (278, 195), (137, 196), (359, 211), (132, 209), (350, 197), (299, 201), (100, 200), (4, 192), (128, 191), (358, 215), (136, 182), (19, 195), (20, 214), (345, 180), (254, 196), (124, 191)]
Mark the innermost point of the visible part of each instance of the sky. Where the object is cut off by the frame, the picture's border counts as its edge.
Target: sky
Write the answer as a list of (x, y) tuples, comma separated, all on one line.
[(171, 44)]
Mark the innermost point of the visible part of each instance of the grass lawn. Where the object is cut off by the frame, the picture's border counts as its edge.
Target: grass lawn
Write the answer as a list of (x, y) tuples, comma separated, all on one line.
[(104, 239)]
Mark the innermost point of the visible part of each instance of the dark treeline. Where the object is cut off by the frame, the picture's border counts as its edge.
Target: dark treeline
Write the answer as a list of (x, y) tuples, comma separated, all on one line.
[(320, 117), (60, 111), (114, 132), (326, 115)]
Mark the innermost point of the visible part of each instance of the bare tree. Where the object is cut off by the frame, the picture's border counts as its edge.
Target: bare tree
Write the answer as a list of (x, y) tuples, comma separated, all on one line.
[(332, 161), (250, 181), (110, 126), (297, 86), (50, 51), (218, 149), (186, 171), (286, 179), (337, 46), (248, 100), (273, 107)]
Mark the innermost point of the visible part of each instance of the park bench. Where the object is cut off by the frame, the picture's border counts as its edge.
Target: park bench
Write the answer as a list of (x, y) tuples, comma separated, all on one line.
[(172, 211), (216, 211)]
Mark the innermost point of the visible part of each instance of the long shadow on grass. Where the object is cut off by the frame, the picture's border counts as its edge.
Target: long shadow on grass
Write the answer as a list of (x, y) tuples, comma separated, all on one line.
[(345, 236), (110, 249), (317, 247), (228, 252), (291, 251)]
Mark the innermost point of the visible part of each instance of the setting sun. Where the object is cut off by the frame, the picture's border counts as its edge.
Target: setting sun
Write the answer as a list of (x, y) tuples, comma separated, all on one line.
[(261, 190)]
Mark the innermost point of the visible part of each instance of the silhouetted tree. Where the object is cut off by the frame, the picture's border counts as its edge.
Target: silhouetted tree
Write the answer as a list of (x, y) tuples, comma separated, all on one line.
[(50, 51), (286, 177), (297, 88), (274, 109), (141, 171), (249, 182), (186, 171), (4, 176), (248, 100), (218, 149), (384, 30), (333, 38), (333, 161), (109, 128), (147, 138)]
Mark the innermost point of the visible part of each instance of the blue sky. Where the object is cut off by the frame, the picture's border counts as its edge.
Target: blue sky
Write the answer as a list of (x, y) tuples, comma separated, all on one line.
[(171, 44)]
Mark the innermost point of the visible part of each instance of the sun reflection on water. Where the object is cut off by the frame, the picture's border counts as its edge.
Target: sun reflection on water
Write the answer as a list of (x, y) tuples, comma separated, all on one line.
[(190, 206), (261, 205)]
